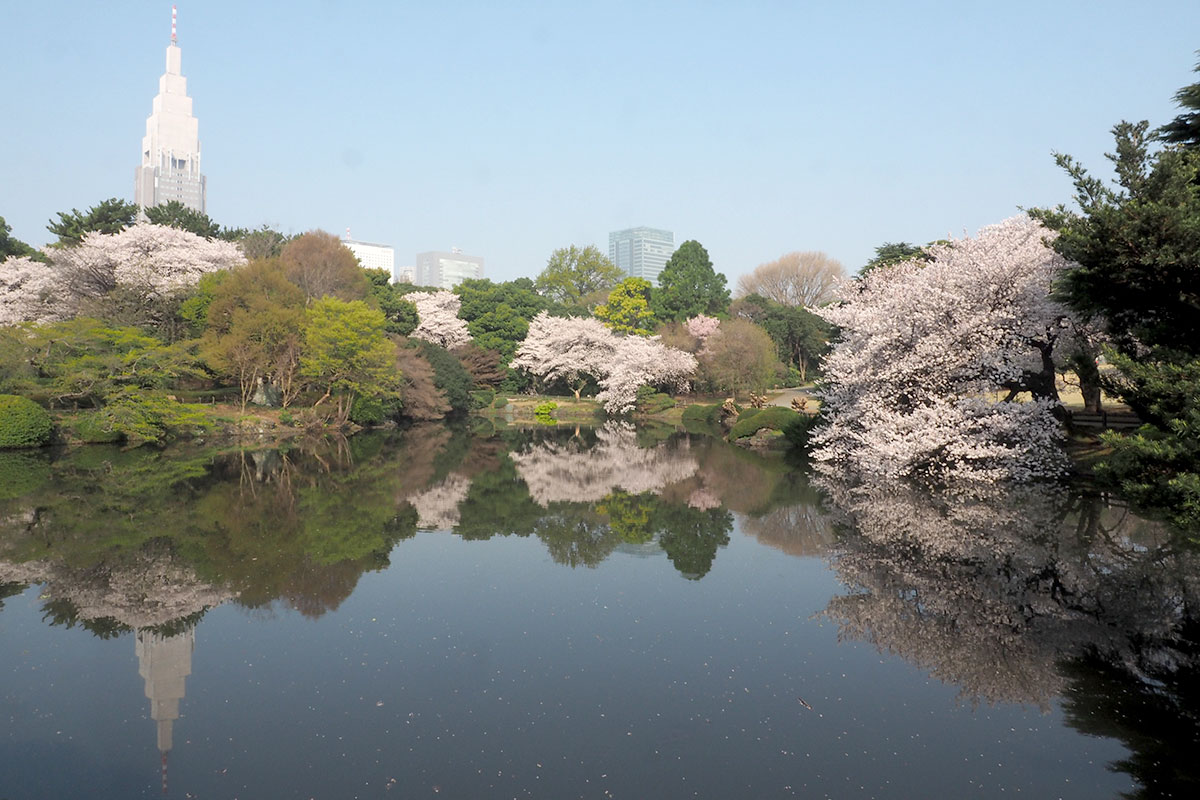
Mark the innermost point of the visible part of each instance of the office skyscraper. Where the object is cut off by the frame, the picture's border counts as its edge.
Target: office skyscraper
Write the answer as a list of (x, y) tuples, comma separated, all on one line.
[(641, 252), (170, 168), (447, 270)]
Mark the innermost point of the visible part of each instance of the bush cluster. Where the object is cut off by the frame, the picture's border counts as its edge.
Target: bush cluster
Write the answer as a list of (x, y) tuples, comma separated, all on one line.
[(23, 423)]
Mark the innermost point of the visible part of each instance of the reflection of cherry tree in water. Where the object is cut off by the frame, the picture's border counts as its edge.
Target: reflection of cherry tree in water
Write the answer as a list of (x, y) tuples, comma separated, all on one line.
[(1021, 594), (557, 471)]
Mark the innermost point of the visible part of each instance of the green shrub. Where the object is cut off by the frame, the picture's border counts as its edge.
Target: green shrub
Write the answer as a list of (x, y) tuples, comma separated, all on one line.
[(91, 428), (23, 423), (545, 412), (775, 418), (501, 401), (482, 398), (286, 418), (140, 416), (650, 401), (366, 411)]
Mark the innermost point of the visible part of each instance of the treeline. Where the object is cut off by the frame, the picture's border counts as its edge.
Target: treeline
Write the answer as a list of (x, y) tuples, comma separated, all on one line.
[(130, 320)]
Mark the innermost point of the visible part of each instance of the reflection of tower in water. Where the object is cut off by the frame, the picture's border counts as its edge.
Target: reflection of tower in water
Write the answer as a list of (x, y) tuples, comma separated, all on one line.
[(164, 662)]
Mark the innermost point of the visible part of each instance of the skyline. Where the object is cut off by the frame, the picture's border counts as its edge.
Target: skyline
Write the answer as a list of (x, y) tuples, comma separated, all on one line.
[(512, 131)]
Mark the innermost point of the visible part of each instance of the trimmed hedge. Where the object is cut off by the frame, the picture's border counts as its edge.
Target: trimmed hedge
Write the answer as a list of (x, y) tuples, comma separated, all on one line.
[(23, 423)]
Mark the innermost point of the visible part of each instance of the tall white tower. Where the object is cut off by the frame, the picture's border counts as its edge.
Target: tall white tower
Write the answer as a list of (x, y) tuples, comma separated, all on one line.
[(170, 167)]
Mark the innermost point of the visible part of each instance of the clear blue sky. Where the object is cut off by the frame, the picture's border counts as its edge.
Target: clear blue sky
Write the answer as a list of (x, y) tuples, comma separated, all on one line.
[(511, 129)]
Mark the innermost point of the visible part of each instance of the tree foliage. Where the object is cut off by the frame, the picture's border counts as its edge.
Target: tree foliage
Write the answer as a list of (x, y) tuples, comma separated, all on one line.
[(109, 216), (322, 266), (808, 279), (1185, 128), (627, 309), (890, 253), (10, 246), (174, 214), (739, 357), (346, 352), (688, 286), (801, 337), (908, 385), (575, 275), (1137, 247)]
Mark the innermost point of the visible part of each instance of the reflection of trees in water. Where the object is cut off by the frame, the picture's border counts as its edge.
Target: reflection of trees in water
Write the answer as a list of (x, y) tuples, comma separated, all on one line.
[(148, 589), (437, 506), (997, 590), (798, 530), (570, 471)]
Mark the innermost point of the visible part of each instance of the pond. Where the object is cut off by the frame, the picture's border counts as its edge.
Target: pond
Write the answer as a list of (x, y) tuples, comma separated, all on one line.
[(566, 612)]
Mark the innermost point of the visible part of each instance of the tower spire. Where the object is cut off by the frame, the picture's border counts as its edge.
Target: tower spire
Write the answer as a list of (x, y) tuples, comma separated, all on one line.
[(174, 38)]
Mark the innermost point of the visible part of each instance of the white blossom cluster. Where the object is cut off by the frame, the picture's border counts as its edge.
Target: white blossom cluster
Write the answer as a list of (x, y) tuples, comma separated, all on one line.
[(558, 472), (31, 291), (149, 259), (572, 349), (911, 384), (437, 313)]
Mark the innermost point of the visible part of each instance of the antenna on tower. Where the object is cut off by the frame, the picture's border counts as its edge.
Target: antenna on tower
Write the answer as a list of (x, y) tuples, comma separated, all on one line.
[(173, 14)]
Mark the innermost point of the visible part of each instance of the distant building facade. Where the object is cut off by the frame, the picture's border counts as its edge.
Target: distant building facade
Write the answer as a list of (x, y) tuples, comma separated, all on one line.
[(641, 252), (447, 270), (372, 255), (404, 274), (170, 168)]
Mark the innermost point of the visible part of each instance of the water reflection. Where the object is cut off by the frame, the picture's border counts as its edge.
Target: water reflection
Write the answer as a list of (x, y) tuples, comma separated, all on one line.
[(1031, 593)]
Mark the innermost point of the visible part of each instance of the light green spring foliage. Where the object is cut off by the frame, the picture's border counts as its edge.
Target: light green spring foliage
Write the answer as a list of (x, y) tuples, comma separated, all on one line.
[(346, 351), (628, 308), (573, 275)]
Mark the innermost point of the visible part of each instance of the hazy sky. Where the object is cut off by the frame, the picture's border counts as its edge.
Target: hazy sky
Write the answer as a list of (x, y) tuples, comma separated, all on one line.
[(510, 129)]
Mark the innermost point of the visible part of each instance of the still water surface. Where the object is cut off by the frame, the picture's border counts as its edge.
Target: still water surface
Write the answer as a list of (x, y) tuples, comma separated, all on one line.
[(572, 613)]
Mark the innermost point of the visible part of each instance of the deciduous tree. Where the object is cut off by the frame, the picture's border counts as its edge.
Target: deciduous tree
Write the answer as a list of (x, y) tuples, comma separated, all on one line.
[(439, 321), (740, 357), (808, 279), (574, 274), (909, 384), (347, 353), (322, 266), (627, 309)]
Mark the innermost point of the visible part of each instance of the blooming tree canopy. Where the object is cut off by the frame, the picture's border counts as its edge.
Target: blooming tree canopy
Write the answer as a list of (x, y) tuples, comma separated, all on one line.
[(702, 326), (149, 260), (910, 385), (438, 315), (152, 259), (574, 349), (570, 349), (30, 291)]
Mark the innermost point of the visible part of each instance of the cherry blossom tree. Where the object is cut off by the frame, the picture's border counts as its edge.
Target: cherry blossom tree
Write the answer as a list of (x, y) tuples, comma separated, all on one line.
[(574, 349), (30, 291), (702, 326), (570, 349), (438, 315), (642, 361), (926, 347), (152, 259)]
